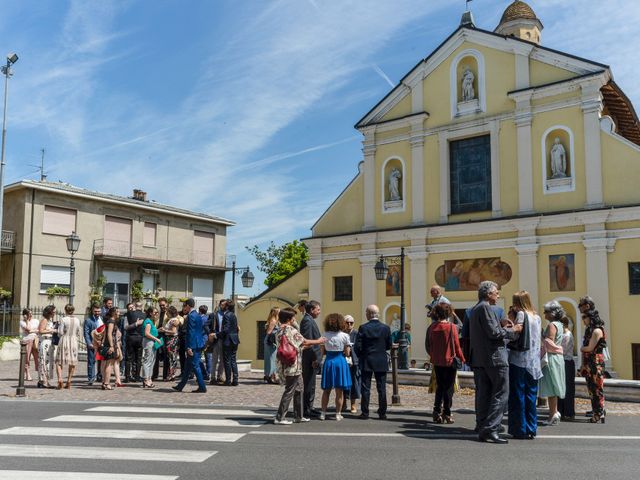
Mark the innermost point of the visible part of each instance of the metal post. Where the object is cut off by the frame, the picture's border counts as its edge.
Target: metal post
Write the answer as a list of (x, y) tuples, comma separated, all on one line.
[(395, 397), (402, 336), (7, 73), (72, 271), (23, 362), (233, 281)]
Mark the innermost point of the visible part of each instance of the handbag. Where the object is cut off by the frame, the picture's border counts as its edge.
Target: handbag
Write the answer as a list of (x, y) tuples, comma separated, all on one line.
[(523, 342), (456, 363), (286, 353)]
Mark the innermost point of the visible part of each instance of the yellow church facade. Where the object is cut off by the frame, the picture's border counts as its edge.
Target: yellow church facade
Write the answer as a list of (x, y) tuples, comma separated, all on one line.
[(494, 158)]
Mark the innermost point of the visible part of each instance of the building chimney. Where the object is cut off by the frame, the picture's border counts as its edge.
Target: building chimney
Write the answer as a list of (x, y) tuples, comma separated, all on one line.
[(139, 195)]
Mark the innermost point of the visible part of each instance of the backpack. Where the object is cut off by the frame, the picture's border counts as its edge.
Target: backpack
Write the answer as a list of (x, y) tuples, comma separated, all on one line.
[(286, 353)]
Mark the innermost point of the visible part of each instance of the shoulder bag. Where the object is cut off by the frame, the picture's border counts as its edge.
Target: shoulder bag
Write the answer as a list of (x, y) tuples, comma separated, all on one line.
[(457, 363), (523, 342), (286, 353)]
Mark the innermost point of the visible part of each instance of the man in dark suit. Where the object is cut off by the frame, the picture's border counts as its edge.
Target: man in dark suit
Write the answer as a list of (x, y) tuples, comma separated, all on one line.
[(372, 342), (194, 344), (217, 358), (231, 340), (490, 361), (311, 357)]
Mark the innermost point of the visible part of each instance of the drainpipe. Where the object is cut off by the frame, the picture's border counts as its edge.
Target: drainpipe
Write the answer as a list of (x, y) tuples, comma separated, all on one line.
[(33, 199)]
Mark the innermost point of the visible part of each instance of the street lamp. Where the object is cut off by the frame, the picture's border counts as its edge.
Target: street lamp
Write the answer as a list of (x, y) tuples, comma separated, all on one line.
[(381, 268), (73, 244), (246, 278), (6, 71)]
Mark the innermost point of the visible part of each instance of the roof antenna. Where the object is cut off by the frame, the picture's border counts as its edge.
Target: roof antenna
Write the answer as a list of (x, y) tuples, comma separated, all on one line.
[(43, 176), (467, 17)]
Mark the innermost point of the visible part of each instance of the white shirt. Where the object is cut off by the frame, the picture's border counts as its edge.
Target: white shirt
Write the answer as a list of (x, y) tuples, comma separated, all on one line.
[(33, 325), (336, 341)]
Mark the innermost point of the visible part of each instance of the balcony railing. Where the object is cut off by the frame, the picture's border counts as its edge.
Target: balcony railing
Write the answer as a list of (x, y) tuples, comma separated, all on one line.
[(8, 241), (158, 254)]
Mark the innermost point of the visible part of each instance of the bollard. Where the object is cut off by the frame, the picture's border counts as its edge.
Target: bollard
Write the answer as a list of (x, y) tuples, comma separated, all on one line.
[(395, 397), (23, 361)]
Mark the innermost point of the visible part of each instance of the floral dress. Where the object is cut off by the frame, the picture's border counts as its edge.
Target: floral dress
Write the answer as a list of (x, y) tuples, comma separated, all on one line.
[(67, 352), (593, 363), (46, 351)]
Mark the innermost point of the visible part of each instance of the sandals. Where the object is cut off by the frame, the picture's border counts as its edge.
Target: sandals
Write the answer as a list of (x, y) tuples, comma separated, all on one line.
[(597, 418), (437, 418), (59, 387), (106, 386), (448, 419), (68, 385)]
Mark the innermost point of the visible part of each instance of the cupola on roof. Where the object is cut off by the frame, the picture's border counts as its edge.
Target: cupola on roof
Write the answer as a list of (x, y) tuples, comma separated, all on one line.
[(519, 20), (518, 10)]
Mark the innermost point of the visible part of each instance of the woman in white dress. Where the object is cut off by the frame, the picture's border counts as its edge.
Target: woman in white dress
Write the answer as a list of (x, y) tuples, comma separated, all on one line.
[(67, 352), (46, 349), (29, 336)]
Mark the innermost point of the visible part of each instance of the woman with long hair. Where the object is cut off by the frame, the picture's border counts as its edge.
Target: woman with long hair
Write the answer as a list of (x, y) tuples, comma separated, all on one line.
[(553, 384), (67, 352), (443, 346), (170, 330), (524, 371), (46, 329), (335, 371), (270, 346), (149, 340), (592, 369), (109, 349), (29, 336)]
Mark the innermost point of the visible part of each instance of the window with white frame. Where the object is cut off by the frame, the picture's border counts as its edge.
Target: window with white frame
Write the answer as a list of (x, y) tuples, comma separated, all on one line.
[(52, 276)]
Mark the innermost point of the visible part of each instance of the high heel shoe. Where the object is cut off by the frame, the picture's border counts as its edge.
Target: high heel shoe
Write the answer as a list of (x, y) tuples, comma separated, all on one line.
[(448, 419), (40, 384), (106, 386), (437, 418), (68, 385), (119, 384), (597, 418), (555, 419), (59, 387)]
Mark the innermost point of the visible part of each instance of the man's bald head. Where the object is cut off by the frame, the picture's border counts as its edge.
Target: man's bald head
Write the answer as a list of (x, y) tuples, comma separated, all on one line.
[(372, 311)]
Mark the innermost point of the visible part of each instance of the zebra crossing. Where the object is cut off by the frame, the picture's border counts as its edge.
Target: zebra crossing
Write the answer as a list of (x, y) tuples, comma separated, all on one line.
[(125, 423)]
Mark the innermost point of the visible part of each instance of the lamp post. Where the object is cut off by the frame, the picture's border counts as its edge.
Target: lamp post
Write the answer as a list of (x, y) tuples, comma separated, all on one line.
[(381, 268), (246, 278), (73, 244), (6, 71)]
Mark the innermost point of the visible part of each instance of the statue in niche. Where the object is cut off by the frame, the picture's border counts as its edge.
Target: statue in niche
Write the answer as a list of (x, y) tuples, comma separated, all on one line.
[(395, 323), (394, 188), (558, 160), (468, 92)]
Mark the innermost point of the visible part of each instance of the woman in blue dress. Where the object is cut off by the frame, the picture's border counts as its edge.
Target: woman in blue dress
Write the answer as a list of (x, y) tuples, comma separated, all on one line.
[(335, 372), (270, 346)]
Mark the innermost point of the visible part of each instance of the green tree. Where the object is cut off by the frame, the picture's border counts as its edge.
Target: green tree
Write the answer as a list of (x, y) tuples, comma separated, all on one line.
[(280, 261)]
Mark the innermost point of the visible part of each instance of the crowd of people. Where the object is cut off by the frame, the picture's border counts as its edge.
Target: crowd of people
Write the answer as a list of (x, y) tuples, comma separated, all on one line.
[(514, 361), (129, 345)]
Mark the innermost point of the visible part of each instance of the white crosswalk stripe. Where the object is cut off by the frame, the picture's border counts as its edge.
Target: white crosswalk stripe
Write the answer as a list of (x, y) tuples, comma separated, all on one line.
[(181, 411), (211, 423), (124, 434), (201, 422), (105, 453), (42, 475)]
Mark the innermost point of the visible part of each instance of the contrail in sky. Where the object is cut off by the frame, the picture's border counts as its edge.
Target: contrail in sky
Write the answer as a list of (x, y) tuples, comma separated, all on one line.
[(379, 71)]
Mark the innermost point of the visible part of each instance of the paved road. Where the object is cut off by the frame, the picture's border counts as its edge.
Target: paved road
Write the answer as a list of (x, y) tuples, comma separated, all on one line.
[(148, 442)]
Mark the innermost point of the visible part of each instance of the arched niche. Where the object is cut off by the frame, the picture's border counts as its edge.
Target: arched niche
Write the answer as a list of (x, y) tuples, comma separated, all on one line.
[(467, 83), (575, 323), (393, 185), (391, 315), (558, 160)]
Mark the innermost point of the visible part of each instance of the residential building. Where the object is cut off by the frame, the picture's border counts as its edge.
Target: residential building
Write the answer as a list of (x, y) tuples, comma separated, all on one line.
[(494, 158), (171, 251)]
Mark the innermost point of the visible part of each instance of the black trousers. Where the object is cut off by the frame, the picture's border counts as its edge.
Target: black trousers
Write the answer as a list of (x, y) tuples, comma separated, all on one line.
[(492, 394), (230, 363), (309, 384), (445, 377), (182, 352), (381, 387), (567, 405), (134, 356)]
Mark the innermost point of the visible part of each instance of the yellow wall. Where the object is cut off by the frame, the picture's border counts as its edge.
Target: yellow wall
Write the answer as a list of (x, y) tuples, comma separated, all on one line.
[(402, 109), (620, 171), (543, 73), (346, 214)]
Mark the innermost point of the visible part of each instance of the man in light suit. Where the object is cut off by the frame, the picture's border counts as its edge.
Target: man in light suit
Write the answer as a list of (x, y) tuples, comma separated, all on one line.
[(194, 345), (490, 361), (372, 342), (230, 341), (311, 357)]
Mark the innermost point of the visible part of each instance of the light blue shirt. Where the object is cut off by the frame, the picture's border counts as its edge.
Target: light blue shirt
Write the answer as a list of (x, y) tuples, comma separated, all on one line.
[(529, 359)]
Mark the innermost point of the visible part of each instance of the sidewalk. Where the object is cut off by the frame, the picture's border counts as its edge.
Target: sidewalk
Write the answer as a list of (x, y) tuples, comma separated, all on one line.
[(251, 391)]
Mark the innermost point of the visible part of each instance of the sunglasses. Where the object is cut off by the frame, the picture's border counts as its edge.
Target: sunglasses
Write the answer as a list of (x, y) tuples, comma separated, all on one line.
[(349, 323)]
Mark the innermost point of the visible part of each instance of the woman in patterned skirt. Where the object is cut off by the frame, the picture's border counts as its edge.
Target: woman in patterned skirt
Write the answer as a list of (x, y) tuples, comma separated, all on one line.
[(592, 369), (170, 330), (46, 330)]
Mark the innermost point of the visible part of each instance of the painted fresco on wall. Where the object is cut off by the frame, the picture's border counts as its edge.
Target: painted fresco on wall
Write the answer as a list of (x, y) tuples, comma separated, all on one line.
[(467, 274), (393, 281), (562, 273)]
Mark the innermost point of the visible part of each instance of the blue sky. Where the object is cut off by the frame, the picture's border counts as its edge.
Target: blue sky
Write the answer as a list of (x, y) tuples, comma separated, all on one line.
[(244, 109)]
